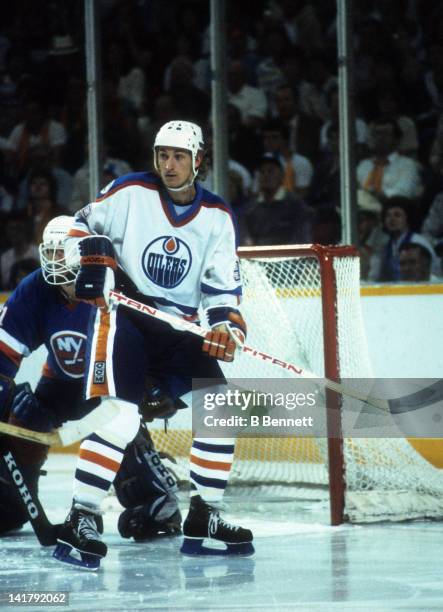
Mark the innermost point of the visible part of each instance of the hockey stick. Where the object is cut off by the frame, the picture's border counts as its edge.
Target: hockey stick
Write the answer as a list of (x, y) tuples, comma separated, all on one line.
[(67, 434), (413, 401), (45, 531)]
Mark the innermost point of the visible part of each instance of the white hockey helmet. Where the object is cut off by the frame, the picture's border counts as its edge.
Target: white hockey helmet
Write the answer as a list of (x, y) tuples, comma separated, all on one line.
[(180, 135), (52, 252)]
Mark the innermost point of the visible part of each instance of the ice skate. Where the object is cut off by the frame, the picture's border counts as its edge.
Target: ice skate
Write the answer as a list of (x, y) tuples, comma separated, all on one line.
[(204, 521), (79, 541)]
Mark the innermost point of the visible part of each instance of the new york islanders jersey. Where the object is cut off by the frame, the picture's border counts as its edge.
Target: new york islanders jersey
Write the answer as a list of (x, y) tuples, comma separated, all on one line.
[(180, 259), (37, 314)]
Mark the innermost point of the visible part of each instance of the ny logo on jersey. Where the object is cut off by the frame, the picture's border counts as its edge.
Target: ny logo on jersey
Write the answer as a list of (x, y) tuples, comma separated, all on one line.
[(68, 348), (166, 261)]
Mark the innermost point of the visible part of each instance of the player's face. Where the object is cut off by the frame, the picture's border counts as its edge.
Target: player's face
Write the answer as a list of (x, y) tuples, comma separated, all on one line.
[(175, 166)]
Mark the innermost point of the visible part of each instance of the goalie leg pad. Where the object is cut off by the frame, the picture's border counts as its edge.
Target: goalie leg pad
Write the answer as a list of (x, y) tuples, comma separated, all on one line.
[(147, 489), (142, 474), (160, 517)]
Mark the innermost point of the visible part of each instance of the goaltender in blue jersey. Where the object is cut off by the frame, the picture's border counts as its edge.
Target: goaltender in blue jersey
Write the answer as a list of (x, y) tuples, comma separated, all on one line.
[(44, 311)]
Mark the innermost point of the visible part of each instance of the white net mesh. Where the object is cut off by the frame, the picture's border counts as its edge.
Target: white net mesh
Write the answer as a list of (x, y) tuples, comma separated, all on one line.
[(385, 478)]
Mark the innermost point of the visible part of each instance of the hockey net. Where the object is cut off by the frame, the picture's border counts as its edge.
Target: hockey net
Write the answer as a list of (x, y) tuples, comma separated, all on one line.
[(302, 304)]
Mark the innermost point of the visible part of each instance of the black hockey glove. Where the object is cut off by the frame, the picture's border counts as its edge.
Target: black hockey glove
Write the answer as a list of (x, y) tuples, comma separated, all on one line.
[(96, 275)]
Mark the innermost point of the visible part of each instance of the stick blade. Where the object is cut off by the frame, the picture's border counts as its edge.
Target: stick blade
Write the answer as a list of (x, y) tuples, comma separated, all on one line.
[(420, 399)]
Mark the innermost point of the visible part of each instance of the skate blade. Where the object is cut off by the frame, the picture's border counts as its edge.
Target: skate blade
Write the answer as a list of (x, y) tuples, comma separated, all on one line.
[(194, 546), (65, 553)]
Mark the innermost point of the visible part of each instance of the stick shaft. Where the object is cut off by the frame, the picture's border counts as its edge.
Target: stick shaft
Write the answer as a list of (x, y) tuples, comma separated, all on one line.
[(49, 439), (278, 364), (45, 531), (70, 432)]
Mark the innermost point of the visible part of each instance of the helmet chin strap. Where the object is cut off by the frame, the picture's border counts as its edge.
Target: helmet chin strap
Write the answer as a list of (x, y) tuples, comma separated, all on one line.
[(185, 185)]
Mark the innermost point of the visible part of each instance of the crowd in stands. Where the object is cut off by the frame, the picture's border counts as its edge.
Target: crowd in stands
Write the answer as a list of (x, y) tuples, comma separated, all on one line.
[(283, 136)]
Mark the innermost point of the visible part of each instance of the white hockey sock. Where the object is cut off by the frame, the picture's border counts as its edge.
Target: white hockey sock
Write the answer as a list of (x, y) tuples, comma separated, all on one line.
[(101, 454), (211, 461)]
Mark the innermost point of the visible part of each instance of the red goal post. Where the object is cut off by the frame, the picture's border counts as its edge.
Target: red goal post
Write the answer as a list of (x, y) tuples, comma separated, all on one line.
[(302, 304)]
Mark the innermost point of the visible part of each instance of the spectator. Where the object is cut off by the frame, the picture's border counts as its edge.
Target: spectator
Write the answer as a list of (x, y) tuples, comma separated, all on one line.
[(270, 73), (371, 238), (397, 224), (42, 204), (129, 76), (164, 110), (36, 129), (6, 200), (388, 108), (18, 234), (361, 129), (314, 90), (194, 104), (298, 169), (432, 227), (244, 142), (41, 160), (64, 61), (415, 263), (303, 129), (326, 226), (275, 216), (387, 173), (72, 115), (325, 185), (251, 101), (112, 168), (120, 124), (233, 167), (241, 47)]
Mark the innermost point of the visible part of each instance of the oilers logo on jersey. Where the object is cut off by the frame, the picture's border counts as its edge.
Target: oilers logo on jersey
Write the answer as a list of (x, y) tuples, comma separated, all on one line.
[(69, 351), (166, 261)]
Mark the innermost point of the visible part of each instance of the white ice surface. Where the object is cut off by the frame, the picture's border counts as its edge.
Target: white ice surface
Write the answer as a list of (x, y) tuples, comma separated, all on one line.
[(300, 563)]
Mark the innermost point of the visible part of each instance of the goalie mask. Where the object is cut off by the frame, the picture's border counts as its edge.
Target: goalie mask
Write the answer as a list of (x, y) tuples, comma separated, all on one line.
[(180, 135), (52, 252)]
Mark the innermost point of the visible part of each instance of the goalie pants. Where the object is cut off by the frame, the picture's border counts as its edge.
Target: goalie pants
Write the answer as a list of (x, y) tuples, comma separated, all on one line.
[(123, 348)]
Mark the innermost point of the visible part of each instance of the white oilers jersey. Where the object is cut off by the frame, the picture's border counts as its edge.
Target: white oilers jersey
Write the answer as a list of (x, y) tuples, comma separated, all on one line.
[(181, 260)]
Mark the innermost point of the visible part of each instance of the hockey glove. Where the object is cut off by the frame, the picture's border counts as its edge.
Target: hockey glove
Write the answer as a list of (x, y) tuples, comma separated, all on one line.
[(228, 332), (156, 403), (29, 412), (96, 276)]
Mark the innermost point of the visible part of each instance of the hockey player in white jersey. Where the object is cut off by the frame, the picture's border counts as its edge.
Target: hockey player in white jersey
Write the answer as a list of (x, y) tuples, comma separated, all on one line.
[(172, 244)]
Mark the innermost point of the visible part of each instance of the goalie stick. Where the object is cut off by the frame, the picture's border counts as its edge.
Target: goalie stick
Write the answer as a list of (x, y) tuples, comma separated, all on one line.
[(67, 434), (413, 401), (45, 531)]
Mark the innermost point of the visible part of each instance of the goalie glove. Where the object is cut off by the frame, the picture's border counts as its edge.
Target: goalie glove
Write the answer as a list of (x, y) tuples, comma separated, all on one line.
[(228, 332), (95, 279)]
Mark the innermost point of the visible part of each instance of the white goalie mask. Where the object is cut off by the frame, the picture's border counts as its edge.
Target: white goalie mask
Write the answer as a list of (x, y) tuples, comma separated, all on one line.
[(52, 252), (180, 135)]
